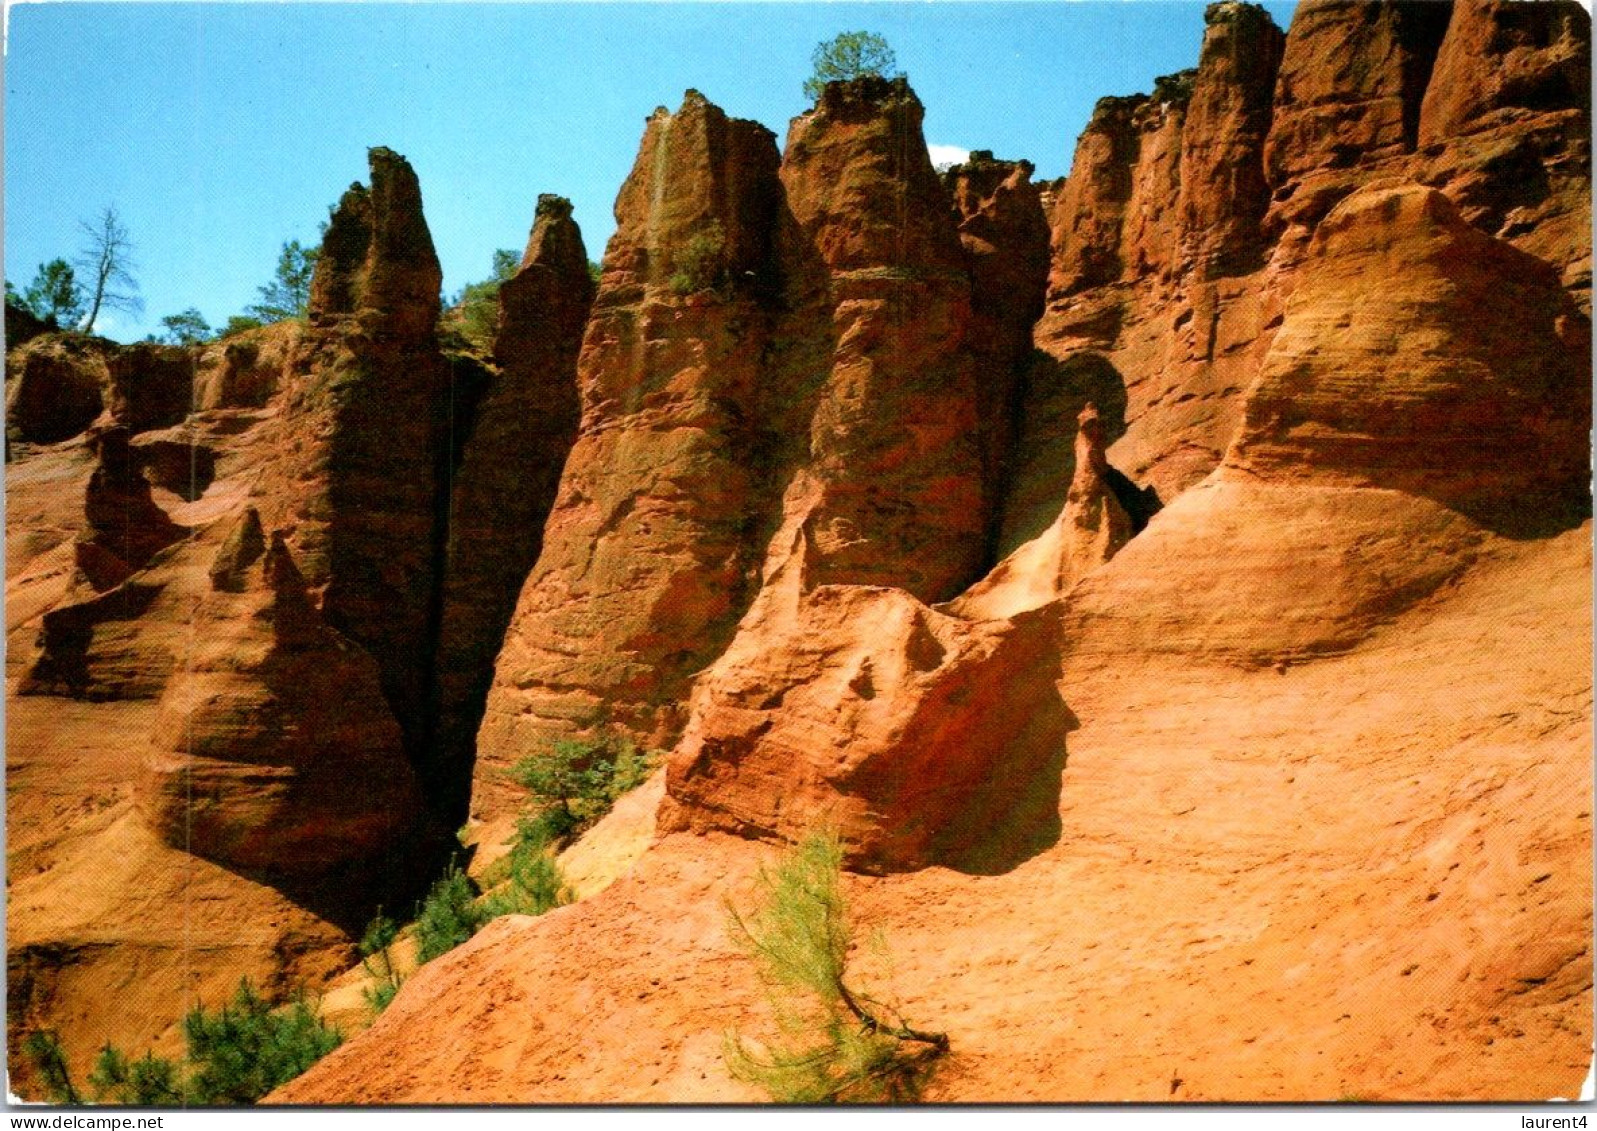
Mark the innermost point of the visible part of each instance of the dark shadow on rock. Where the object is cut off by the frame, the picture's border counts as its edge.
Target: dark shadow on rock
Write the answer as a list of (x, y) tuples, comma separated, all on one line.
[(1014, 815), (394, 882), (1037, 472)]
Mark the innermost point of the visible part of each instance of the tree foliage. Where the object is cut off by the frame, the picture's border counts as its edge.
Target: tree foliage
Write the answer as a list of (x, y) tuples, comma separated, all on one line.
[(149, 1082), (576, 781), (850, 55), (106, 260), (838, 1044), (378, 961), (186, 328), (534, 884), (447, 917), (247, 1048), (234, 1056), (288, 295), (475, 310), (55, 295), (50, 1062)]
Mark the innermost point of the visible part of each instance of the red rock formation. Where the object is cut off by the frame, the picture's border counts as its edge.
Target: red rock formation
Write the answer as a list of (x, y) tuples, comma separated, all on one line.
[(361, 430), (1392, 430), (860, 709), (512, 449), (150, 386), (244, 370), (1223, 190), (273, 748), (1091, 529), (647, 551), (1506, 125), (55, 388), (1349, 91), (861, 412), (1090, 209), (123, 519), (1004, 233), (1463, 377), (891, 492)]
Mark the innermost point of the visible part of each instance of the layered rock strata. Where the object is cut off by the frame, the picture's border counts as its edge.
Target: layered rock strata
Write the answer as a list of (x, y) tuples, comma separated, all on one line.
[(780, 352), (273, 749)]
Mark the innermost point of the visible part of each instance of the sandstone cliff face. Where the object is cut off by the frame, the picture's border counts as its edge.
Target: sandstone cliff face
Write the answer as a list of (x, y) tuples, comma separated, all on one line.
[(513, 443), (273, 750), (773, 350), (1223, 192), (1464, 378), (1164, 322), (891, 492), (1093, 526), (1391, 431), (356, 481), (54, 388), (646, 552), (1003, 230), (1506, 127)]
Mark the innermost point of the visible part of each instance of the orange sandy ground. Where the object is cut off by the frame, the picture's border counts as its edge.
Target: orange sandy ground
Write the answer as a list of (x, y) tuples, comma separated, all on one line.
[(1364, 877)]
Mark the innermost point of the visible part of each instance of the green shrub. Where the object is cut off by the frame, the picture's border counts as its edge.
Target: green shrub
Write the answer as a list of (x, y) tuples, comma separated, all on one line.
[(447, 917), (698, 263), (235, 1056), (839, 1044), (150, 1082), (535, 884), (576, 781), (246, 1049), (378, 961), (50, 1062)]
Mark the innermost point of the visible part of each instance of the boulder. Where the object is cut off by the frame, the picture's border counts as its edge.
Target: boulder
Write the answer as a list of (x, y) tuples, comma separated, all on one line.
[(918, 737)]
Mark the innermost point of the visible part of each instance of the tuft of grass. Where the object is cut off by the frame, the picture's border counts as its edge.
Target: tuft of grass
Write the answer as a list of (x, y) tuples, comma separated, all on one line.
[(839, 1043)]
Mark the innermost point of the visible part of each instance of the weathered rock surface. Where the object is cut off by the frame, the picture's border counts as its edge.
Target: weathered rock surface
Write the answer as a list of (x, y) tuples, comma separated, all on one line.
[(1390, 430), (1164, 322), (646, 553), (911, 733), (54, 388), (355, 480), (123, 518), (244, 370), (750, 371), (150, 386), (1091, 529), (273, 750), (1506, 127), (1463, 378), (1004, 233), (513, 446), (1223, 192)]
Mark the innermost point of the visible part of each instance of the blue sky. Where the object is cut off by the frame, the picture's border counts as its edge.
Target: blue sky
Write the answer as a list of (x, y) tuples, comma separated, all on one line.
[(220, 130)]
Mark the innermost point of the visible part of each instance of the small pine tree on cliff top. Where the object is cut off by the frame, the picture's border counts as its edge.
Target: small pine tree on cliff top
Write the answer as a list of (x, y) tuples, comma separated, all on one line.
[(851, 55)]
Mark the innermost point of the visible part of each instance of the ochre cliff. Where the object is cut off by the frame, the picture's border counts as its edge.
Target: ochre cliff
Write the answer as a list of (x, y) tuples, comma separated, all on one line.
[(1172, 584)]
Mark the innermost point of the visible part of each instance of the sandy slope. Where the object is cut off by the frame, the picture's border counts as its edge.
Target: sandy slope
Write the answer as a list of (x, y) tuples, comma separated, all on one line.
[(1366, 875)]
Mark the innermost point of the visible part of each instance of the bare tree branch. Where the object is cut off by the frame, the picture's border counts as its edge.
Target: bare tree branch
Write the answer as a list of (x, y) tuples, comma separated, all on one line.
[(107, 263)]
